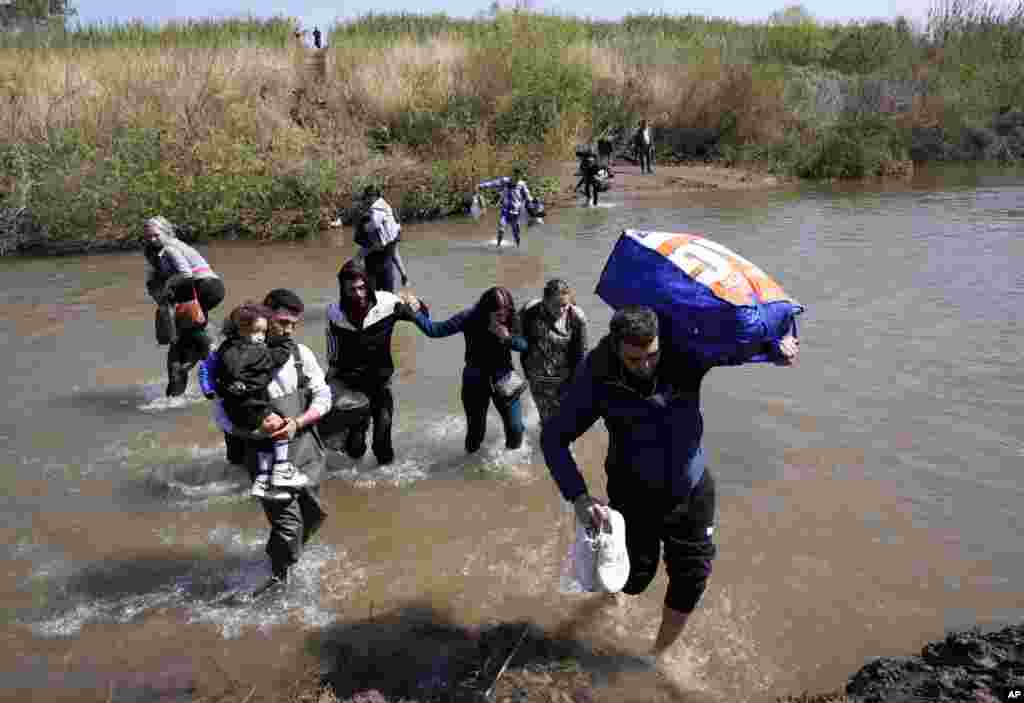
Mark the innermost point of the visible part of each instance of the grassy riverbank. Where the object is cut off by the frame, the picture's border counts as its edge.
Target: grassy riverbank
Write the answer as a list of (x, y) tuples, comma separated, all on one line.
[(231, 126)]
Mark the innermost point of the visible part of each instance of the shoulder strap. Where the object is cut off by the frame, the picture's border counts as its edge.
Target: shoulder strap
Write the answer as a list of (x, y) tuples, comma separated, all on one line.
[(300, 373)]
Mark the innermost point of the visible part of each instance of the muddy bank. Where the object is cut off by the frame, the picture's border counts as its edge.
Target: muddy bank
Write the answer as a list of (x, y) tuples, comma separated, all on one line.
[(21, 234), (464, 665)]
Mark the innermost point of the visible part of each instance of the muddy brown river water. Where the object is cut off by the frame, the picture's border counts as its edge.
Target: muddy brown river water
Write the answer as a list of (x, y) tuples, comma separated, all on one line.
[(870, 497)]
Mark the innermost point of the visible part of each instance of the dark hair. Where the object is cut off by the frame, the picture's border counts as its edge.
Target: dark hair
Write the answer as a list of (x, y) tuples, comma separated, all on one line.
[(637, 323), (243, 317), (557, 287), (353, 270), (371, 191), (493, 300), (284, 298)]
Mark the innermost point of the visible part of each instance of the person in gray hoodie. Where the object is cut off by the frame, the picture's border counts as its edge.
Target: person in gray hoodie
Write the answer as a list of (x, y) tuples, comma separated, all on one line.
[(377, 232), (177, 273)]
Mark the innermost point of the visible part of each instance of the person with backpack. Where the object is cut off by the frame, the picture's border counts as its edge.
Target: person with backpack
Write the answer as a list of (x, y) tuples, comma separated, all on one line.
[(377, 232), (176, 274)]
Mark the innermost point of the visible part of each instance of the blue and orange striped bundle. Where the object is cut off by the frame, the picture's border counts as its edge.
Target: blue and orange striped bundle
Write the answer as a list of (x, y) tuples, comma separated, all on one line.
[(710, 301)]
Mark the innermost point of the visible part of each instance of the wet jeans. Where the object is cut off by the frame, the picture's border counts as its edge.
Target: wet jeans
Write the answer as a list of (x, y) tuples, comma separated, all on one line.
[(477, 395)]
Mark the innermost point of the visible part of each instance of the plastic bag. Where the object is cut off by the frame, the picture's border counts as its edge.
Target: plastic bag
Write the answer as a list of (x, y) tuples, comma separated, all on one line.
[(476, 207)]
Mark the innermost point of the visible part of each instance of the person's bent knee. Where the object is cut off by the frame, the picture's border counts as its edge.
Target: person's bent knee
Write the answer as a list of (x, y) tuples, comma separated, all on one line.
[(638, 581), (684, 596)]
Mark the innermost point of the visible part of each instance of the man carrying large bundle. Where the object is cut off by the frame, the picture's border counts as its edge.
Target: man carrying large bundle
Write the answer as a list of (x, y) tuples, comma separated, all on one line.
[(648, 394)]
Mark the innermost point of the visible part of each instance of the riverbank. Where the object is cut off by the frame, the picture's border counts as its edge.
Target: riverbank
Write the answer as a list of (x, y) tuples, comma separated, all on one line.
[(235, 129), (21, 234)]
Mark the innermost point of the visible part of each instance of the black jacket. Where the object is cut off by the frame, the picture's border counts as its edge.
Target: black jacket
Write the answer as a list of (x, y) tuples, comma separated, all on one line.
[(244, 370), (361, 356)]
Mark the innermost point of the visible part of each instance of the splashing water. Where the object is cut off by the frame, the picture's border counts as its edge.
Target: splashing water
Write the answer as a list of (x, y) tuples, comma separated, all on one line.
[(199, 588)]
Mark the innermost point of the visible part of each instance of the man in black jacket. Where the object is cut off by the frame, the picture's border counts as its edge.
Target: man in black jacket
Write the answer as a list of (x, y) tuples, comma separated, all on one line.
[(359, 330)]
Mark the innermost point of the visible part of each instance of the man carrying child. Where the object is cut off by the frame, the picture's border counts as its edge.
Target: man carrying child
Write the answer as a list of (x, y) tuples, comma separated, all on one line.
[(246, 364)]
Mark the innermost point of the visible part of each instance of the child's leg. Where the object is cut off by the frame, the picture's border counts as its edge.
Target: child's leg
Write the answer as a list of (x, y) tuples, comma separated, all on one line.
[(284, 474), (515, 229), (281, 451)]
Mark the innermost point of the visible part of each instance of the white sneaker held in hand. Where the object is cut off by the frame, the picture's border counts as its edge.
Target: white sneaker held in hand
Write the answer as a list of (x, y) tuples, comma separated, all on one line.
[(612, 559)]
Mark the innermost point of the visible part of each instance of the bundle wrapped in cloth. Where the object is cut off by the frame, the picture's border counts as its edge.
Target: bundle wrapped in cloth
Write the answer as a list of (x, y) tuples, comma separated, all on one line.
[(710, 301), (349, 408)]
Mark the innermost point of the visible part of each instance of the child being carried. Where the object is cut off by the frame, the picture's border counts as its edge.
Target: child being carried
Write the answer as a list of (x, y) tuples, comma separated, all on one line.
[(246, 365)]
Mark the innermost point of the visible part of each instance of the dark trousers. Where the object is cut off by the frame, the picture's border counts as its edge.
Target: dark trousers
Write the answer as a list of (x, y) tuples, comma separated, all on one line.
[(646, 156), (590, 190), (292, 524), (477, 395), (381, 267), (193, 344), (382, 410), (234, 447), (682, 524)]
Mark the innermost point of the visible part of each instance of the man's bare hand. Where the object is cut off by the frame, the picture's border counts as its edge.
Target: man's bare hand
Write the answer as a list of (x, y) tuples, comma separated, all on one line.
[(286, 431), (411, 300), (271, 423), (789, 346)]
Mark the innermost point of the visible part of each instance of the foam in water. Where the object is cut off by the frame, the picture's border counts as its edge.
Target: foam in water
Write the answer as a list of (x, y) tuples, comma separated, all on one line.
[(199, 588), (442, 454), (156, 401)]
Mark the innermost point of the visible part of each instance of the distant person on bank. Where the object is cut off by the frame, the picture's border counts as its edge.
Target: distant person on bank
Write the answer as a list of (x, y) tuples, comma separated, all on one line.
[(316, 37), (177, 273), (378, 233), (657, 478), (643, 147)]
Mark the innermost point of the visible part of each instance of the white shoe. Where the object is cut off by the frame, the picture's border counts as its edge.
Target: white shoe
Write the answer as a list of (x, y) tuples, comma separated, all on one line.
[(261, 489), (612, 570), (285, 475)]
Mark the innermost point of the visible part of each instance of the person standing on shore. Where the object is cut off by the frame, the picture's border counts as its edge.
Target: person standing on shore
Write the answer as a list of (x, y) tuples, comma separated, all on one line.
[(657, 478), (643, 147), (316, 38), (555, 330), (177, 273)]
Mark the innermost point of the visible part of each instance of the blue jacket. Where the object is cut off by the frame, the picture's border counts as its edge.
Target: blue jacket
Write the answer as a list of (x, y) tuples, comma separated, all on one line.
[(653, 442), (484, 350)]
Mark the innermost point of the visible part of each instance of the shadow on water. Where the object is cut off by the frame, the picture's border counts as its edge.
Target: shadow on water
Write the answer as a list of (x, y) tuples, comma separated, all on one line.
[(110, 402), (420, 653)]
